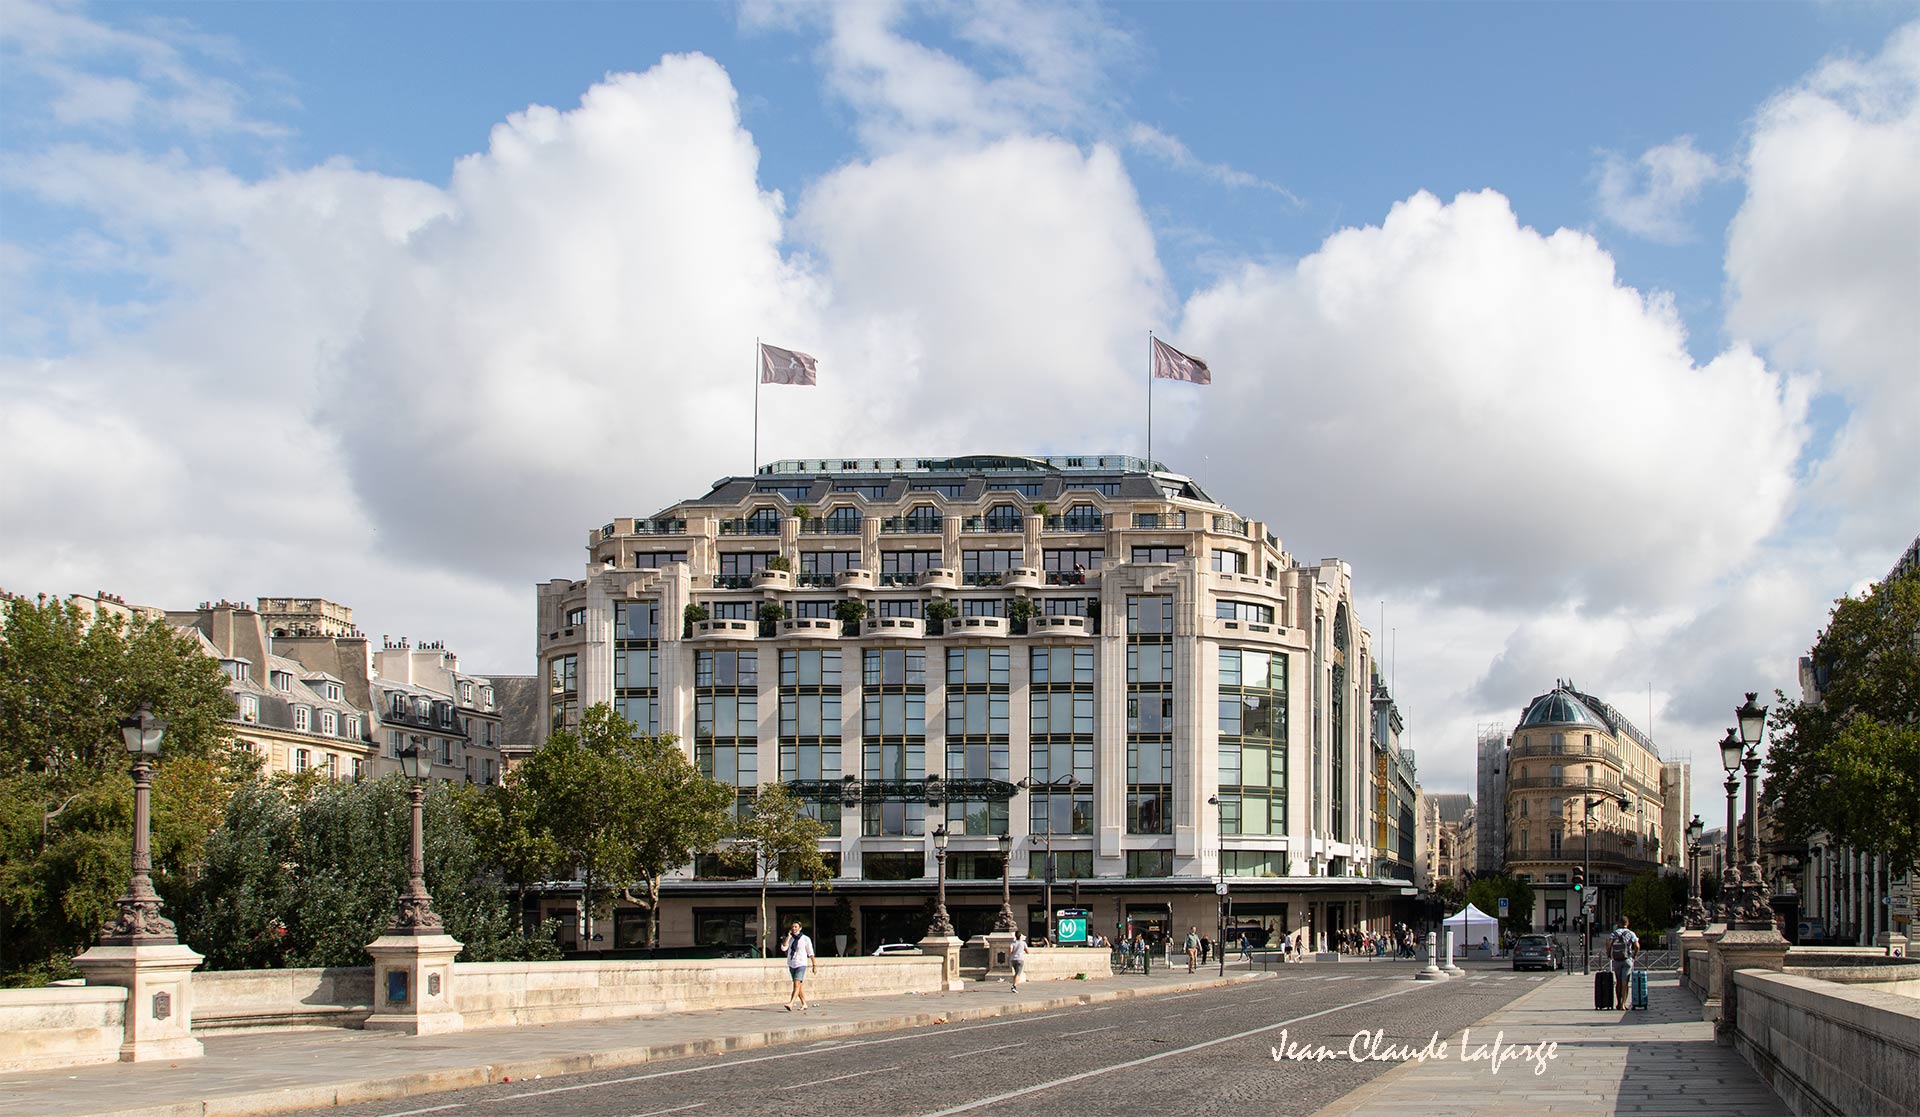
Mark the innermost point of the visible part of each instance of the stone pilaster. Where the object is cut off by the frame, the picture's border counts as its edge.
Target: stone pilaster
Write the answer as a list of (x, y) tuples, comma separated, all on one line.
[(413, 984), (1740, 950), (947, 949), (159, 984)]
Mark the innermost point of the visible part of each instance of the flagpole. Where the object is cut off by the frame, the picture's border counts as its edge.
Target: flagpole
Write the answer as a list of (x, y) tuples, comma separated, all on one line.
[(1149, 400), (756, 407)]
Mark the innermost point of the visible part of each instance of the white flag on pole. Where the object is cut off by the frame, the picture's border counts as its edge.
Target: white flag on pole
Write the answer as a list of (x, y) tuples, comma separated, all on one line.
[(1171, 364), (784, 366)]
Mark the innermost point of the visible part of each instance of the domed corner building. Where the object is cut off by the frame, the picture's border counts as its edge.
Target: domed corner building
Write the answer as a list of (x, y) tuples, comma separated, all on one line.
[(1570, 763)]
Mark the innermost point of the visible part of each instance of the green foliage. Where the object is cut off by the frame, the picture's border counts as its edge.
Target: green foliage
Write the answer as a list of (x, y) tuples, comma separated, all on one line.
[(802, 512), (850, 612), (1019, 611), (693, 614), (618, 808), (771, 614), (307, 874), (780, 562), (1485, 894), (784, 841), (66, 802), (938, 614), (1847, 762), (1648, 901)]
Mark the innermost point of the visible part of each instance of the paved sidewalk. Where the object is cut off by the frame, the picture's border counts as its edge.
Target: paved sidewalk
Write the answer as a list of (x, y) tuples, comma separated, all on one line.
[(273, 1072), (1659, 1063)]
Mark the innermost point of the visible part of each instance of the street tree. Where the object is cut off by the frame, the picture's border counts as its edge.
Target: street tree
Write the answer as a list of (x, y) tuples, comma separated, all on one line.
[(685, 813), (784, 842), (67, 678), (1648, 902), (1846, 759)]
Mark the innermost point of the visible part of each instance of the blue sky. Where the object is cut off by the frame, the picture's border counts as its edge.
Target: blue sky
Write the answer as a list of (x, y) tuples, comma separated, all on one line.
[(1467, 273)]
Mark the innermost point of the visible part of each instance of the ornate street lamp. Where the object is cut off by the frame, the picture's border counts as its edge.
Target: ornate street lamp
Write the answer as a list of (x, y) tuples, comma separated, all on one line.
[(138, 921), (1003, 923), (1730, 879), (416, 915), (1753, 725), (1696, 919), (941, 927)]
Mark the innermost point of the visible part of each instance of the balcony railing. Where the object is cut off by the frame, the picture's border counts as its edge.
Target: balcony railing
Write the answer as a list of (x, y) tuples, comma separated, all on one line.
[(1071, 577), (1076, 523), (1230, 525), (907, 578), (830, 526), (749, 527), (982, 578), (989, 524), (1569, 781), (659, 527), (732, 581), (910, 525), (1160, 520), (1571, 752), (816, 581)]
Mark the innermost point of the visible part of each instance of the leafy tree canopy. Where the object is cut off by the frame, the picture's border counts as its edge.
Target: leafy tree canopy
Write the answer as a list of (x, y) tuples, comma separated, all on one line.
[(67, 678), (1485, 893), (1846, 760), (784, 840)]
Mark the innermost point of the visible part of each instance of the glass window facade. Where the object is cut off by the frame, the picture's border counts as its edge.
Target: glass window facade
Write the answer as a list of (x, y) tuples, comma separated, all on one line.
[(1253, 742), (1060, 727), (726, 718), (977, 697), (636, 663), (1150, 697)]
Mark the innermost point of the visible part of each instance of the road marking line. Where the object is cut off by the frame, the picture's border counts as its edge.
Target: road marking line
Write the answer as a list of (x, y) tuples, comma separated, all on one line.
[(675, 1109), (1184, 996), (1172, 1016), (1072, 1078), (1089, 1031), (431, 1109), (824, 1081), (923, 1034), (984, 1050)]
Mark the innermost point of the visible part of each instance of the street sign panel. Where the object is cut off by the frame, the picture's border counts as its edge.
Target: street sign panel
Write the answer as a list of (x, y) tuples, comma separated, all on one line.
[(1070, 926), (1220, 889), (1504, 903)]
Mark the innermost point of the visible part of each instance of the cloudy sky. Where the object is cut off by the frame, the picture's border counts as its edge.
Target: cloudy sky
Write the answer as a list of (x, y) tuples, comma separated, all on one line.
[(1586, 333)]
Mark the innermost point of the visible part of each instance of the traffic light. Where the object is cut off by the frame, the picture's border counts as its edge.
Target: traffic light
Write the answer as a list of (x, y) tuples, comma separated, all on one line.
[(1579, 882)]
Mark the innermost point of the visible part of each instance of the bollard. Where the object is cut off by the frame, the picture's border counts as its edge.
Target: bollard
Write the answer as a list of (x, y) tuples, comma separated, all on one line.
[(1446, 940), (1432, 971)]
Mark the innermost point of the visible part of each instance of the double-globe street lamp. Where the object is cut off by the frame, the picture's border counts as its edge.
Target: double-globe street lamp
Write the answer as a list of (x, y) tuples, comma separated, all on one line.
[(138, 921), (1068, 782)]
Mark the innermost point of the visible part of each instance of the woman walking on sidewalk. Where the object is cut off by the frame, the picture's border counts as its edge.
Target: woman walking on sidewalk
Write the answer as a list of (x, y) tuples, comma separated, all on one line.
[(799, 948)]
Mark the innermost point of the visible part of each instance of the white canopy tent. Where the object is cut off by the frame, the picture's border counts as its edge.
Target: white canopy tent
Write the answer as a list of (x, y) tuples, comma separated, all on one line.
[(1470, 925)]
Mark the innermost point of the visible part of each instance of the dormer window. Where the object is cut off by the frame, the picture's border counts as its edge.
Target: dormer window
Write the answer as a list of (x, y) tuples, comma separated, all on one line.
[(486, 697), (249, 708), (282, 680), (302, 718), (399, 705), (329, 723), (334, 693), (466, 693), (353, 726)]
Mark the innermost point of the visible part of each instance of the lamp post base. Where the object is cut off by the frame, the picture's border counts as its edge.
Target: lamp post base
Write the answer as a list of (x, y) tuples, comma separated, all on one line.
[(413, 984), (947, 949), (158, 979)]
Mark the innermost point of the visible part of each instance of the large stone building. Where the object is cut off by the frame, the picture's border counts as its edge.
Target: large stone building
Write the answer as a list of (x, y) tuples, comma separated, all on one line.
[(311, 695), (1447, 858), (1396, 800), (1586, 789), (905, 642)]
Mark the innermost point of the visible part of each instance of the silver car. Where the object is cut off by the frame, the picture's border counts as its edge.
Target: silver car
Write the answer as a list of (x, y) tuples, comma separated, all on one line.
[(1537, 952)]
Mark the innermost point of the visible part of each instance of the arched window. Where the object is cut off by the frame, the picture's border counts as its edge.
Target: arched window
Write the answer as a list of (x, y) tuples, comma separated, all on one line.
[(843, 520), (764, 521), (923, 518), (1003, 517)]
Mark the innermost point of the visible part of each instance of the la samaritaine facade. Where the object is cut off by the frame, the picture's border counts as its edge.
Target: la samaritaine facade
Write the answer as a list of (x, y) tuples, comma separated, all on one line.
[(904, 642)]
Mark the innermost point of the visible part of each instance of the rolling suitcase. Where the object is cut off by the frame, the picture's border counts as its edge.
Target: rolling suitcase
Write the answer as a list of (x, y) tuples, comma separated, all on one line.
[(1603, 989), (1640, 990)]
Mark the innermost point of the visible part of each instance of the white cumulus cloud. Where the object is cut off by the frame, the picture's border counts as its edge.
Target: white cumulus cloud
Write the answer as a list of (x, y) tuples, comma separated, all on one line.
[(1647, 196)]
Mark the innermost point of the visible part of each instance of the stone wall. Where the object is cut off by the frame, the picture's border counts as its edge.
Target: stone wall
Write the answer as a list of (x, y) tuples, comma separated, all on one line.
[(1830, 1048), (280, 1000), (61, 1026), (500, 994), (1067, 963)]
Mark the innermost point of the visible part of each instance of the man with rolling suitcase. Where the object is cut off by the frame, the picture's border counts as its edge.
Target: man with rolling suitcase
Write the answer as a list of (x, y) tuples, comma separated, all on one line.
[(1623, 946)]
